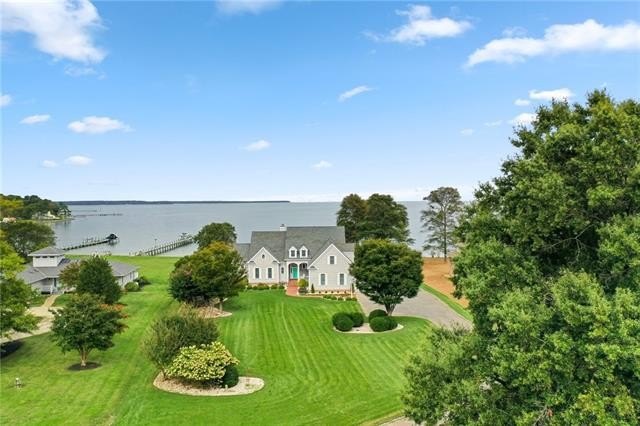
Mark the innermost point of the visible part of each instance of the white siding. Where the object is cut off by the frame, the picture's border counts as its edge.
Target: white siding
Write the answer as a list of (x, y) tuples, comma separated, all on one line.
[(47, 261), (321, 266), (263, 260)]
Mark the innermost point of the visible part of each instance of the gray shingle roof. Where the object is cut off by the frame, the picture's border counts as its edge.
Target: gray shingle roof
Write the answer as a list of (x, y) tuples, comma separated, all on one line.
[(32, 274), (47, 251), (315, 238)]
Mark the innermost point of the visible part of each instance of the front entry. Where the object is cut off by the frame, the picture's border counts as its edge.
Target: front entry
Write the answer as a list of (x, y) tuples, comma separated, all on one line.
[(293, 272)]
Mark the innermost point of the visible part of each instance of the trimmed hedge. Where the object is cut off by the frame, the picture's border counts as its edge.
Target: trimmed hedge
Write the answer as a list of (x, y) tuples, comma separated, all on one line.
[(381, 323), (131, 286), (342, 321), (142, 281), (231, 376), (377, 313), (357, 318)]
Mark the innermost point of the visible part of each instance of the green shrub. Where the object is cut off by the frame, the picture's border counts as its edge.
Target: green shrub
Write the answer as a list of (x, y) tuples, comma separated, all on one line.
[(274, 286), (342, 321), (142, 281), (379, 324), (357, 318), (302, 290), (261, 287), (131, 286), (201, 365), (303, 283), (377, 313), (231, 376), (313, 289)]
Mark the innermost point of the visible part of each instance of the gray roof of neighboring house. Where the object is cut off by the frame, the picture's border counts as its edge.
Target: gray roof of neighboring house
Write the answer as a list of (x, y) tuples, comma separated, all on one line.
[(32, 274), (315, 238), (47, 251)]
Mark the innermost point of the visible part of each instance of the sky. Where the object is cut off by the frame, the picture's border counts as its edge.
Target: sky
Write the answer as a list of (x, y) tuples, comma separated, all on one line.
[(300, 101)]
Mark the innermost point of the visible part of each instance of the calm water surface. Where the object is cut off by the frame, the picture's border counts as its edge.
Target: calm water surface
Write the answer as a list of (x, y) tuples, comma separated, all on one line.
[(139, 227)]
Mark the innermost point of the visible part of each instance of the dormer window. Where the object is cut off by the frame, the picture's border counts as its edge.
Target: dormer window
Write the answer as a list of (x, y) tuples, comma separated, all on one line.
[(304, 252), (293, 252)]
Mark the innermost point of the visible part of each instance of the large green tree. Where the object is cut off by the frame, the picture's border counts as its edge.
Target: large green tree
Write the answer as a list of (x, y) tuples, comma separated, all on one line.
[(15, 295), (27, 236), (96, 277), (387, 272), (215, 232), (85, 324), (551, 267), (351, 215), (440, 219), (385, 218), (214, 273)]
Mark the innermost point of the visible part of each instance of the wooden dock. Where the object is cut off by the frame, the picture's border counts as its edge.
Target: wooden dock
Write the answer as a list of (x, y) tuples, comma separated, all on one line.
[(183, 240), (94, 241)]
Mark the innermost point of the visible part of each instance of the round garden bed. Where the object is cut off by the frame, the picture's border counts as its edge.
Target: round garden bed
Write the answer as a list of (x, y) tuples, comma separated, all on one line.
[(79, 367), (245, 386), (211, 312), (365, 329)]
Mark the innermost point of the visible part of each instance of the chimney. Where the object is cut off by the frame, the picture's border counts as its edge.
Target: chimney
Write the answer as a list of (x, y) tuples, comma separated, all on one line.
[(283, 227)]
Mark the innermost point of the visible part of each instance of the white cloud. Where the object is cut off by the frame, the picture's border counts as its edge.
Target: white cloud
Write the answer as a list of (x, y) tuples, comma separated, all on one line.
[(61, 28), (49, 164), (5, 100), (74, 71), (467, 132), (558, 39), (353, 92), (547, 95), (34, 119), (523, 119), (422, 26), (514, 32), (493, 123), (78, 160), (322, 165), (258, 146), (96, 125), (238, 7), (521, 102)]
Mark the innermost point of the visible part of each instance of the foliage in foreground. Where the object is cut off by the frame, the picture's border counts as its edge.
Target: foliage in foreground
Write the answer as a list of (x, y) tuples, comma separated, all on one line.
[(550, 267), (387, 272), (95, 276), (85, 324), (170, 333), (214, 273), (27, 236), (15, 295), (203, 365)]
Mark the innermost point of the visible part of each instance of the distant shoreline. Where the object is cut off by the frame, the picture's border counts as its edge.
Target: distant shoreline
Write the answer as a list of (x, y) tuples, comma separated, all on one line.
[(137, 202)]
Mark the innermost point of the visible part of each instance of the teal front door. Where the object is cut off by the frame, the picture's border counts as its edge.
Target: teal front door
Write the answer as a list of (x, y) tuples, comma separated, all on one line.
[(294, 272)]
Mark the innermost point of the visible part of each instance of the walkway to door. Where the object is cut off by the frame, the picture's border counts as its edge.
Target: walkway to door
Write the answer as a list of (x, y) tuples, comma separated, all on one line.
[(292, 288)]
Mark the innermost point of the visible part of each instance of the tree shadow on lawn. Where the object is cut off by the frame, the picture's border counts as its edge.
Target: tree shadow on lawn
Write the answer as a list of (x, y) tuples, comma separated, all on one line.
[(89, 366), (10, 347)]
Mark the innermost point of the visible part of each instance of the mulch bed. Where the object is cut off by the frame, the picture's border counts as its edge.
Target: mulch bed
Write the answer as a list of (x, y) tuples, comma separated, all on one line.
[(365, 329), (245, 386), (78, 367)]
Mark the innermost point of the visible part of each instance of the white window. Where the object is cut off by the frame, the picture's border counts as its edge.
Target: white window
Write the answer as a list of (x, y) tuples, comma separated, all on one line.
[(269, 273), (332, 260), (341, 279), (293, 252), (303, 252), (282, 269), (323, 279), (256, 273)]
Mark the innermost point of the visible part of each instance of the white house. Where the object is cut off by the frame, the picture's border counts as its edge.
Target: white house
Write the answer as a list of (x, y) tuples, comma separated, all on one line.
[(44, 271), (316, 253)]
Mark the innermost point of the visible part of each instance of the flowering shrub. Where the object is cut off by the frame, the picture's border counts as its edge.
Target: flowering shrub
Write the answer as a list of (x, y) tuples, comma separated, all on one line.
[(203, 365)]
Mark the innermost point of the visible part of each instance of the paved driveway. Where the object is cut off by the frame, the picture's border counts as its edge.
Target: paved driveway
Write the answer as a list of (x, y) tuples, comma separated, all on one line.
[(424, 305)]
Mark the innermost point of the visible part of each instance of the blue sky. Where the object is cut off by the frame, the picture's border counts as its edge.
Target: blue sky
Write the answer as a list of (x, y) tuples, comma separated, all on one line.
[(306, 101)]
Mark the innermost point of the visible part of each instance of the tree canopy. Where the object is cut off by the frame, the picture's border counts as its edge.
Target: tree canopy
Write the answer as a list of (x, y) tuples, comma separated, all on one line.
[(15, 295), (27, 236), (387, 272), (215, 232), (550, 267), (213, 273), (379, 217), (440, 219), (29, 206), (96, 277), (85, 324)]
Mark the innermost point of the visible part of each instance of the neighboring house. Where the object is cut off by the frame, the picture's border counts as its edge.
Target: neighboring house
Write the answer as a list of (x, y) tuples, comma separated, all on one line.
[(316, 253), (44, 271)]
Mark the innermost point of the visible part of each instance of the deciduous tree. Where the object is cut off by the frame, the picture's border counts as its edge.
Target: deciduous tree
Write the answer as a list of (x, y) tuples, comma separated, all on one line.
[(85, 324), (550, 267), (215, 232), (385, 218), (96, 277), (387, 272), (440, 219), (351, 215), (27, 236)]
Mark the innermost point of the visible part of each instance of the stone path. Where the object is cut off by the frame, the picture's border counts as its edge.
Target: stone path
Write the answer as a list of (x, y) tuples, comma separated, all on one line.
[(424, 305)]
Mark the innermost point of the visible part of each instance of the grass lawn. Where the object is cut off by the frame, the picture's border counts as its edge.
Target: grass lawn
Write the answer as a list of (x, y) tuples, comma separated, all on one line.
[(38, 300), (450, 303), (313, 374)]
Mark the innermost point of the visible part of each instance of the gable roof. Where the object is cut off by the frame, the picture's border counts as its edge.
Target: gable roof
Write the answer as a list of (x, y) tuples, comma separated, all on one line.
[(32, 274), (315, 238), (47, 251)]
